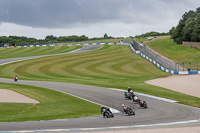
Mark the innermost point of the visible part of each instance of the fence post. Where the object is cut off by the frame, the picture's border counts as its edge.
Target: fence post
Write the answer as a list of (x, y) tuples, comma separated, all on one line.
[(178, 66), (190, 66)]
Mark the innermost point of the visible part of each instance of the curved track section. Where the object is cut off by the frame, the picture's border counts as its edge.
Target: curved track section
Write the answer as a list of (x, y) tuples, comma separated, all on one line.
[(84, 49), (158, 111)]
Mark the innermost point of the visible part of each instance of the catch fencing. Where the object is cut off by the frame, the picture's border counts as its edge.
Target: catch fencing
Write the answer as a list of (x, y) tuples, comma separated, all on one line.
[(160, 59)]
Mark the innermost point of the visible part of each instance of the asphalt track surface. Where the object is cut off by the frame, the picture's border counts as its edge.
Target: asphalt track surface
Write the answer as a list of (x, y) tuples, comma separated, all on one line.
[(158, 111)]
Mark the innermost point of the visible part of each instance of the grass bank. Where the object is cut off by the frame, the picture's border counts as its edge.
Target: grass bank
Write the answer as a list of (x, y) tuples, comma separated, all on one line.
[(6, 53), (139, 40), (53, 105), (112, 66), (178, 53)]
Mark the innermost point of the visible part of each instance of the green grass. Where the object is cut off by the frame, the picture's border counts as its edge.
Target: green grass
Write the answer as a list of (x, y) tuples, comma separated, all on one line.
[(6, 53), (53, 105), (112, 66), (140, 39), (178, 53)]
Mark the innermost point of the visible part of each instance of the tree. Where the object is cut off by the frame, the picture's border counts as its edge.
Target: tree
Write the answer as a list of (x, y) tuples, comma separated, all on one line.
[(50, 38), (172, 30), (198, 10), (152, 33), (196, 32), (188, 28), (105, 36)]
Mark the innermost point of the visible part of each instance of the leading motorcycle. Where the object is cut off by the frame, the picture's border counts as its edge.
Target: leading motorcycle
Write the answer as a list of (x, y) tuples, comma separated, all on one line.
[(129, 95)]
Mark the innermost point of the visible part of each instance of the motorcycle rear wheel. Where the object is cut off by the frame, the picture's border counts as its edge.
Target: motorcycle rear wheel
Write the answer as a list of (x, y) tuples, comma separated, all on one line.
[(107, 115), (129, 113)]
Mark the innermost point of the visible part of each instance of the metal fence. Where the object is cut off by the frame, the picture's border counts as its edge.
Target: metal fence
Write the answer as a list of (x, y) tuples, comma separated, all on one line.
[(162, 60), (190, 66)]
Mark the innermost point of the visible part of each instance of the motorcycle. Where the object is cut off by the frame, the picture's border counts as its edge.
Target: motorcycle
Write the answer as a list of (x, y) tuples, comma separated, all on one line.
[(135, 98), (107, 113), (143, 104), (15, 78), (129, 111), (128, 95)]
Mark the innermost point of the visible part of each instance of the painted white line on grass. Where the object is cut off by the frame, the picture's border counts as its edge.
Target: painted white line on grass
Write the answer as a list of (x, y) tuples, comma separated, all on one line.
[(104, 128), (142, 94)]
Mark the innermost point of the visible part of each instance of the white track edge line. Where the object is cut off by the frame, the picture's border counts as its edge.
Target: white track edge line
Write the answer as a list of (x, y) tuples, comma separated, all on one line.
[(142, 94), (104, 128)]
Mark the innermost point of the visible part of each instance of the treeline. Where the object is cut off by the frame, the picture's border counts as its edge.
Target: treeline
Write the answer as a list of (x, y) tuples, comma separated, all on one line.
[(153, 33), (12, 40), (21, 40), (188, 28), (73, 38)]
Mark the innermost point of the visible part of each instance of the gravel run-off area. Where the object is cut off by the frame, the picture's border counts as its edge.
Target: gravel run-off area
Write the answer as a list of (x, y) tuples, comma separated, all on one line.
[(8, 96), (187, 84)]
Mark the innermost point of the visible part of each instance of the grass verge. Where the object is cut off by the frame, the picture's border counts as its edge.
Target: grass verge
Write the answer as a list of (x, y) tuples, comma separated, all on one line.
[(139, 40), (112, 66), (6, 53), (178, 53), (53, 105)]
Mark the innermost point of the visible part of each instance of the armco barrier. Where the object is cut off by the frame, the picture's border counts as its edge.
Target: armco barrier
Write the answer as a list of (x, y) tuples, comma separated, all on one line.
[(58, 45), (158, 65)]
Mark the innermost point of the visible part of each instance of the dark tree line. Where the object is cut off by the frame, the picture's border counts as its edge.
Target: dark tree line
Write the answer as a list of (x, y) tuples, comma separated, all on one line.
[(12, 40), (21, 40), (188, 28), (73, 38), (153, 33)]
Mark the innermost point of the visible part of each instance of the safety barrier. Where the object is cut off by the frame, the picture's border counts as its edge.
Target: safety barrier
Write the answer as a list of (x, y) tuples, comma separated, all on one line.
[(158, 65), (59, 45)]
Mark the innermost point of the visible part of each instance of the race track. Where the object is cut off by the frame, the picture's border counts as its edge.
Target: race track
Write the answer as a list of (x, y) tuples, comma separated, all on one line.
[(158, 111)]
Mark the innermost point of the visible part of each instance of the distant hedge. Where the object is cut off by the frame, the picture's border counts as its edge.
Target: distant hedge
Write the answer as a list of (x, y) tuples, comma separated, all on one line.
[(153, 33)]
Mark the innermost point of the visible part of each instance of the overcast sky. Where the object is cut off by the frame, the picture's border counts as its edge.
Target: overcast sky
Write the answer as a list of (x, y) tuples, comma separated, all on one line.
[(93, 18)]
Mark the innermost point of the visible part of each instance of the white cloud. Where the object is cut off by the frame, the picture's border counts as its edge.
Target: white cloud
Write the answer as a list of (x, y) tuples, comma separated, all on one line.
[(92, 18), (116, 29), (96, 30)]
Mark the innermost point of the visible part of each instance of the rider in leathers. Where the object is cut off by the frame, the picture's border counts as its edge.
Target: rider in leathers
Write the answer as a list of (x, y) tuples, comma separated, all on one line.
[(124, 107), (129, 90), (104, 109)]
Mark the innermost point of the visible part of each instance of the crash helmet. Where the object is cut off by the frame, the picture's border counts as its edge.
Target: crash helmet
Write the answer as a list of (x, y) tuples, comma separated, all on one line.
[(129, 87), (131, 91), (122, 105), (101, 106)]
